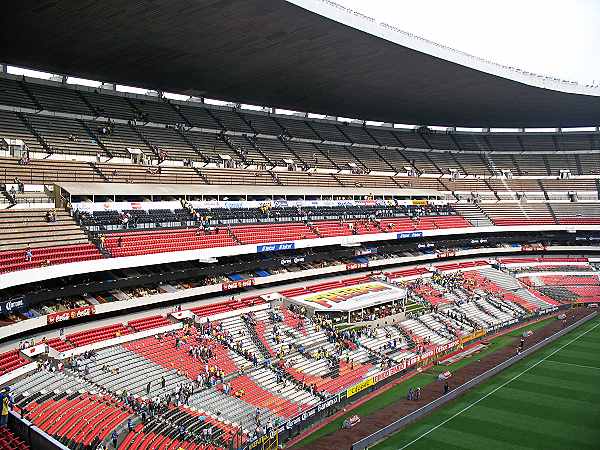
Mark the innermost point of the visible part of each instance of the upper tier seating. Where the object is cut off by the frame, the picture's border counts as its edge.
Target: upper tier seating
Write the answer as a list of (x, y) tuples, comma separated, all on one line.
[(15, 126), (49, 171), (143, 109)]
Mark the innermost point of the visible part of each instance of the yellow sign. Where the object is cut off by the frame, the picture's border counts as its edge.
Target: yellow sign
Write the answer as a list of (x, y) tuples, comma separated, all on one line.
[(470, 337), (360, 387)]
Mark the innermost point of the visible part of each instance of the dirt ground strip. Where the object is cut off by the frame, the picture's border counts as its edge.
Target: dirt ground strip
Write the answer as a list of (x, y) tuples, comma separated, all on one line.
[(343, 439)]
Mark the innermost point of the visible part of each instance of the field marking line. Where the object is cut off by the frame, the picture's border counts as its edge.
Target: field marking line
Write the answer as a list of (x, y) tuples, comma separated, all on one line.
[(571, 364), (466, 408)]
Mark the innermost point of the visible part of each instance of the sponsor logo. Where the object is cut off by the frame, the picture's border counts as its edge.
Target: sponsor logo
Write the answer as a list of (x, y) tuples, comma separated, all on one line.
[(409, 234), (366, 251), (389, 372), (472, 336), (547, 311), (275, 247), (294, 260), (352, 266), (311, 412), (12, 305), (237, 284), (360, 387), (71, 314)]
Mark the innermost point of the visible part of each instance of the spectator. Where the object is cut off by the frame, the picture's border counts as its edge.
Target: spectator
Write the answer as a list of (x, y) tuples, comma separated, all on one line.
[(115, 438), (28, 254), (102, 241), (20, 185), (120, 241), (6, 403)]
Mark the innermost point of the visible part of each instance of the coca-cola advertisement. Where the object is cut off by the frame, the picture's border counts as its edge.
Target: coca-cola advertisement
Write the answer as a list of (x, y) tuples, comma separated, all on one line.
[(71, 314), (237, 284), (352, 266)]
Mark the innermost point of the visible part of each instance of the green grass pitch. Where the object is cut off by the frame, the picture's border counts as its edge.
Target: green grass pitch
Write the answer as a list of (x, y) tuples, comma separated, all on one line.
[(550, 400)]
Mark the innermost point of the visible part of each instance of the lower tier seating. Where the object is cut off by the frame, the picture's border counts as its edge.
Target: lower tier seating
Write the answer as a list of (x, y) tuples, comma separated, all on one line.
[(174, 352), (78, 419), (10, 441)]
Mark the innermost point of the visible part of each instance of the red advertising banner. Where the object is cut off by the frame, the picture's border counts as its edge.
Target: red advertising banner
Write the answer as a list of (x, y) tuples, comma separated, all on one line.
[(71, 314), (237, 284), (412, 361), (352, 266)]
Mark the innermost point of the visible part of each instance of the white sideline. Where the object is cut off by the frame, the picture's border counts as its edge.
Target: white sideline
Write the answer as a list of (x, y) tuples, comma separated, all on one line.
[(466, 408), (574, 365)]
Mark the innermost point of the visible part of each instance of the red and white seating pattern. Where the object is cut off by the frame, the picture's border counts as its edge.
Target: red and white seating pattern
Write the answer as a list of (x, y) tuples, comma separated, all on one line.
[(12, 260), (81, 420), (99, 334), (10, 441), (10, 361), (165, 353), (149, 242), (147, 323)]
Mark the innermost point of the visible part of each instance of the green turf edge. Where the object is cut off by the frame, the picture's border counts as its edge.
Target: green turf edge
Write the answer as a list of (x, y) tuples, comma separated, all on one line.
[(412, 431), (401, 390)]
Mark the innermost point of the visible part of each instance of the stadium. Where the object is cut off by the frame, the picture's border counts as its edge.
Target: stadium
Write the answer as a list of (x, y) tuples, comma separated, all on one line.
[(247, 249)]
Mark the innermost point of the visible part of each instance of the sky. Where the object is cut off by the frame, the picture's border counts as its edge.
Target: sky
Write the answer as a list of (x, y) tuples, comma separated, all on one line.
[(559, 38)]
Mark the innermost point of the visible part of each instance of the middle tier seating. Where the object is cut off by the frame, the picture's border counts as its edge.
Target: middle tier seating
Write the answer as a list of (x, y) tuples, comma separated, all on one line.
[(10, 361), (144, 243), (98, 334)]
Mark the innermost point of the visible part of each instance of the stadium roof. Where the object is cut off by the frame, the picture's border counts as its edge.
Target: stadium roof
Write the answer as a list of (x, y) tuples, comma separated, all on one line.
[(319, 58)]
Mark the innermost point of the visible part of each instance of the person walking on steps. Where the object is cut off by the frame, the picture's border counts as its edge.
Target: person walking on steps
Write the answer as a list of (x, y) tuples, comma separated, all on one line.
[(115, 438)]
